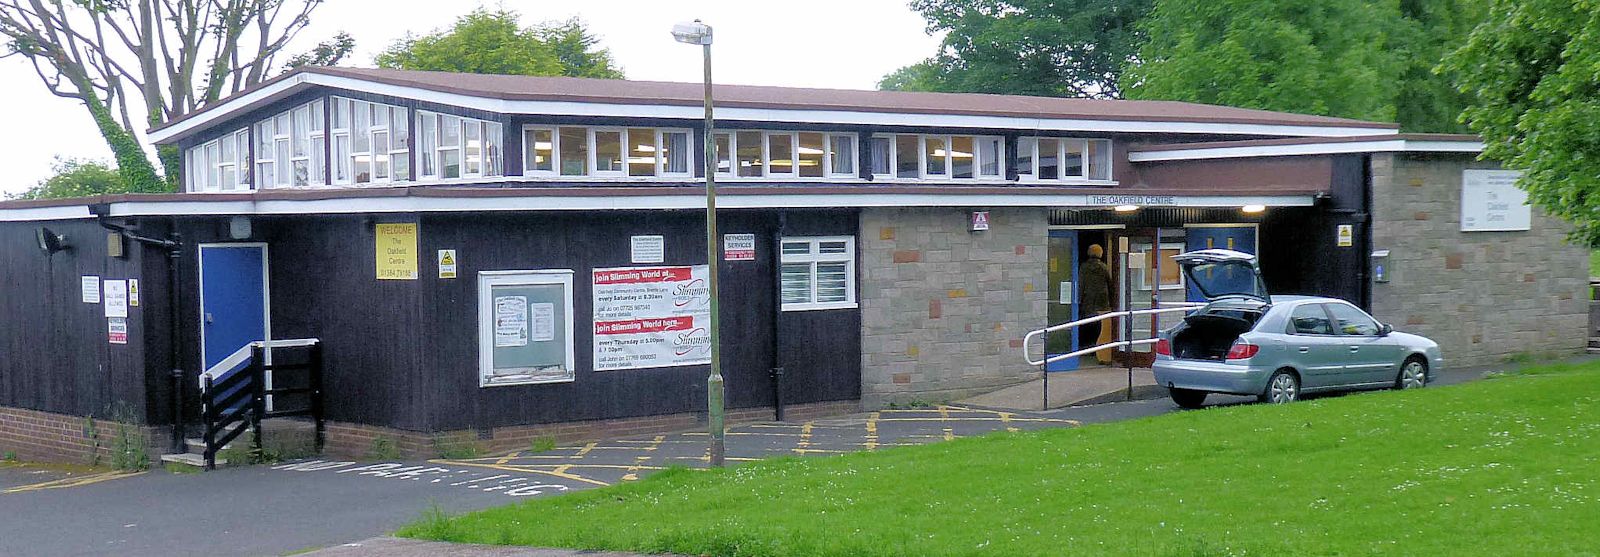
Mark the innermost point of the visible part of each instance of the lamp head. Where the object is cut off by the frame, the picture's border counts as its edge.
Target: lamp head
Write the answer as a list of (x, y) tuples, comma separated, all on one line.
[(49, 241), (692, 33)]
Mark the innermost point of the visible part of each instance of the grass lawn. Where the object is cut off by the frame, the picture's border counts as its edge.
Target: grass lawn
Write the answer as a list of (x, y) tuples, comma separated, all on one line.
[(1506, 466)]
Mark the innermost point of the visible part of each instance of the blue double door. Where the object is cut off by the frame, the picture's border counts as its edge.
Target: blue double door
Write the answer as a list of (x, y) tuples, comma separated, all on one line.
[(1236, 238), (233, 302)]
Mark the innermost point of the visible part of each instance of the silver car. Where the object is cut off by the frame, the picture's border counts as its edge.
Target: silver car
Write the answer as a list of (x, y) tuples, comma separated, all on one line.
[(1279, 347)]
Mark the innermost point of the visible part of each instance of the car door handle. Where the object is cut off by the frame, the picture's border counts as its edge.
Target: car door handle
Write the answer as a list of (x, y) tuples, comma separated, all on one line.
[(1355, 348), (1305, 349)]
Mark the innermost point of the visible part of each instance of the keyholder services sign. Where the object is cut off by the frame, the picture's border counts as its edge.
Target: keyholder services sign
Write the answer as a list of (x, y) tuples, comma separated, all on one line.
[(646, 317), (397, 251), (1491, 202)]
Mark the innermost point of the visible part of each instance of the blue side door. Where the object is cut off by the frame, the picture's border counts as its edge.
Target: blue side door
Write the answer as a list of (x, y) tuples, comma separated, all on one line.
[(1063, 304), (233, 301), (1236, 238)]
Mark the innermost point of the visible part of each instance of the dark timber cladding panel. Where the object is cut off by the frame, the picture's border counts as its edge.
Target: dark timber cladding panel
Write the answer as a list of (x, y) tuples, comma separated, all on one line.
[(54, 351)]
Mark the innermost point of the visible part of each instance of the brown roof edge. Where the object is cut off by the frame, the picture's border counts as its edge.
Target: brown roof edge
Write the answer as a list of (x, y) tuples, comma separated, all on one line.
[(1305, 141)]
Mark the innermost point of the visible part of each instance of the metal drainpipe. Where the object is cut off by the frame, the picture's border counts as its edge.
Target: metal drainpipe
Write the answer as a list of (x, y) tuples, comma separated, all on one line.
[(777, 313), (174, 249)]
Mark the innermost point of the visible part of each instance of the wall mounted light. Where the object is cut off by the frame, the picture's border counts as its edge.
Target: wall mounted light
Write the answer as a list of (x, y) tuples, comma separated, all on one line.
[(50, 242), (1126, 208), (1253, 209)]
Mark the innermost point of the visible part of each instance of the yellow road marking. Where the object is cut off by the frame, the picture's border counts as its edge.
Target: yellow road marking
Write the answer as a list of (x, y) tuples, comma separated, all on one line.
[(573, 477), (872, 432), (1005, 419), (585, 450), (562, 469), (638, 462), (508, 457), (78, 481), (805, 438), (948, 435)]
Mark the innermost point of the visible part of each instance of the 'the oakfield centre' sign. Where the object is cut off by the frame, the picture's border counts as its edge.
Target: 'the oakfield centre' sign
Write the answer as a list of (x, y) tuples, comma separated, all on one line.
[(1491, 202)]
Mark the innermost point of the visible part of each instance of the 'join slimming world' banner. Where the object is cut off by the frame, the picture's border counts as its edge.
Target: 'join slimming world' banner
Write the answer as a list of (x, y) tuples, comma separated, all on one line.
[(648, 317)]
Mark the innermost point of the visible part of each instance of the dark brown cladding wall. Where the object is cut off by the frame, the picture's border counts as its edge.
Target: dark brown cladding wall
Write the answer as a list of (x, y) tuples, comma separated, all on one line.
[(1296, 175)]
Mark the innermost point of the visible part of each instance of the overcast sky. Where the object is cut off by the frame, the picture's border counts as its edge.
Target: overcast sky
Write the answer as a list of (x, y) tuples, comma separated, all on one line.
[(820, 43)]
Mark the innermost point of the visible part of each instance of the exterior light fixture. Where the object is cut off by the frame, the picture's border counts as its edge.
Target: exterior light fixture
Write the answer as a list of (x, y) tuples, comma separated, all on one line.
[(700, 34), (1126, 208), (1253, 208)]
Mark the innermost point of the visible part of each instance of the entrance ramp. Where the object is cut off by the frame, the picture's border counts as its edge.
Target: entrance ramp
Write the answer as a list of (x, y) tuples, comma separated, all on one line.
[(1087, 385)]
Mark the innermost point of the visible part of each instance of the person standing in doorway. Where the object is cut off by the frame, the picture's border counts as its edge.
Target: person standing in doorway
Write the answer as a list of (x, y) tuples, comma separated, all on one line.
[(1094, 298)]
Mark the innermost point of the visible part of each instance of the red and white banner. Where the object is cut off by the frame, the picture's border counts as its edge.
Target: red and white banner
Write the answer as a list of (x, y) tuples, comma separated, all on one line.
[(648, 317)]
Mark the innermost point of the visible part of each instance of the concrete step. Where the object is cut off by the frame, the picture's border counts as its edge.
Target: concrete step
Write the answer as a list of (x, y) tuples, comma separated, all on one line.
[(190, 460), (198, 446)]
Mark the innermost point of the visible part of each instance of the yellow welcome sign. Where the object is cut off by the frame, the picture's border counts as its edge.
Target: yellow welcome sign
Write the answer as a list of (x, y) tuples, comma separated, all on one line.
[(397, 251)]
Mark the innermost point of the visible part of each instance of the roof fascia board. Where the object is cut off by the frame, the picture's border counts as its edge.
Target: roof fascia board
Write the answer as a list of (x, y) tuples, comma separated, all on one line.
[(1250, 151), (62, 212), (415, 204), (685, 112)]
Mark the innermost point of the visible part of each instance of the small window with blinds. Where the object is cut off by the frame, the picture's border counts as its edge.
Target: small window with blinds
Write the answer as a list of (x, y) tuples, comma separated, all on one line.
[(818, 273)]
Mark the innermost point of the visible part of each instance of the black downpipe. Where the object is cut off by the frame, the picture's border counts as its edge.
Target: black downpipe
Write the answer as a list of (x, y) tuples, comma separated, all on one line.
[(777, 313), (174, 249)]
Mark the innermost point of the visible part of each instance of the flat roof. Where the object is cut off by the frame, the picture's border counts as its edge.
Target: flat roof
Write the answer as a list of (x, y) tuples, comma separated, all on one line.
[(1388, 143), (517, 94)]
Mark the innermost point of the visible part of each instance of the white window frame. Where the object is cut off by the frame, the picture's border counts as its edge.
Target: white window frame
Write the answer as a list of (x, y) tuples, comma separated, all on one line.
[(794, 142), (489, 279), (814, 257), (555, 151), (594, 152), (827, 155), (889, 152), (661, 153), (1061, 150)]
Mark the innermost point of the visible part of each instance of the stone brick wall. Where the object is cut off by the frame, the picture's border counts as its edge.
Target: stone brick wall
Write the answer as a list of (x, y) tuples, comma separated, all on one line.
[(943, 310), (1481, 295)]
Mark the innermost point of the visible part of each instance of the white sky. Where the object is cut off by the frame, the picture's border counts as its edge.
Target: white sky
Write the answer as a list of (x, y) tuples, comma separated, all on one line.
[(821, 43)]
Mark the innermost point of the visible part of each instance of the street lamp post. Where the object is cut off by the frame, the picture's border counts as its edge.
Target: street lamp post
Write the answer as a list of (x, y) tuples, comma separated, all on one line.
[(700, 34)]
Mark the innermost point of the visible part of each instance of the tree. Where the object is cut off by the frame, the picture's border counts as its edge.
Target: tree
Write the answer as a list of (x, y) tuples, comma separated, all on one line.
[(155, 59), (76, 178), (494, 42), (1365, 59), (1032, 47), (326, 53), (1530, 71)]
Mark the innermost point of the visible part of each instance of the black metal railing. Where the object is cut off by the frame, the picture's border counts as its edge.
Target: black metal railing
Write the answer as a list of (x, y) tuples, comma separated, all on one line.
[(239, 402)]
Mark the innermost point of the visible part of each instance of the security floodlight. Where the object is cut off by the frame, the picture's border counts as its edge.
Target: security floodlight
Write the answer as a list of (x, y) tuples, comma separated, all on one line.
[(50, 242), (692, 33)]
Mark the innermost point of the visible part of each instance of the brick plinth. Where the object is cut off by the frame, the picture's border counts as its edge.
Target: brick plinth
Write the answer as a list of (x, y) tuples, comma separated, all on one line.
[(48, 437)]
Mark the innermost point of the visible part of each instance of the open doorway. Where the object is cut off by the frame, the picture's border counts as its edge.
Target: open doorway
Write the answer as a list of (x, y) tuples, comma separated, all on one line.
[(1083, 283)]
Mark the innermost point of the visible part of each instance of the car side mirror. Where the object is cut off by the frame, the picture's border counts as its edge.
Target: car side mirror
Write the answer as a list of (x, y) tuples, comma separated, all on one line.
[(1384, 329)]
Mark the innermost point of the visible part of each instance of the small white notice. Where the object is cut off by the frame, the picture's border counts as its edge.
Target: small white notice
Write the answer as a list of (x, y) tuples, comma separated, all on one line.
[(1491, 202), (739, 247), (510, 321), (649, 249), (1066, 292), (544, 321), (91, 289), (116, 293), (447, 263), (1346, 235)]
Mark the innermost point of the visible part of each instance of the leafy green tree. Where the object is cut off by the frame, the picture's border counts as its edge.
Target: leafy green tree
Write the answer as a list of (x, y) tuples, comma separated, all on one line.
[(1363, 59), (1055, 48), (1532, 71), (77, 178), (326, 53), (494, 42)]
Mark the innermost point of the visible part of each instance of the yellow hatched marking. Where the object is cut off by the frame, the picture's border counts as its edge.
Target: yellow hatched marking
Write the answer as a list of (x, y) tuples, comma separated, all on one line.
[(585, 450), (562, 469), (948, 434), (563, 475), (805, 438), (872, 432), (508, 458), (72, 482), (1005, 419), (638, 462)]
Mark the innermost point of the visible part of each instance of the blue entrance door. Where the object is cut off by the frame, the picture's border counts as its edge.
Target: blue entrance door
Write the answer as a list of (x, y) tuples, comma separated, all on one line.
[(1063, 294), (233, 301), (1236, 238)]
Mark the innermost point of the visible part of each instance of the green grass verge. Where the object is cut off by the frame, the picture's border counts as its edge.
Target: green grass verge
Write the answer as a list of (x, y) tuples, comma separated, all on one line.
[(1497, 467)]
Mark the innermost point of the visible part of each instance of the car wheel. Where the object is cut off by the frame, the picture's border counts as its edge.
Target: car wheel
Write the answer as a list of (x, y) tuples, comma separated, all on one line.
[(1413, 374), (1282, 388), (1186, 398)]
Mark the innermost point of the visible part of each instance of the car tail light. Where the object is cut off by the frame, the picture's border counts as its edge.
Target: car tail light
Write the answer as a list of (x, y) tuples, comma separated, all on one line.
[(1163, 347), (1242, 350)]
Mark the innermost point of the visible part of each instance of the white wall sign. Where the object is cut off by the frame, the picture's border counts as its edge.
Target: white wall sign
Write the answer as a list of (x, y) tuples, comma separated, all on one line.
[(1345, 235), (116, 293), (117, 330), (739, 247), (447, 263), (510, 321), (980, 221), (91, 289), (1491, 202), (133, 292), (649, 249), (648, 317)]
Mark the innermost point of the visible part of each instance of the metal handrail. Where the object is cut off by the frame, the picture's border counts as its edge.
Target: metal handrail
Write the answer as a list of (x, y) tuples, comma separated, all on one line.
[(243, 353), (1027, 339)]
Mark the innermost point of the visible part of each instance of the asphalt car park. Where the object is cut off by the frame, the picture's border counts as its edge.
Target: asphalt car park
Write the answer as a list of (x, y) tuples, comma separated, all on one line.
[(314, 503)]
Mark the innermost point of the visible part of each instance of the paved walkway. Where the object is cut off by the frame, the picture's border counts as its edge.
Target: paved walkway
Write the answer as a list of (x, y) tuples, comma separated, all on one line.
[(1067, 388)]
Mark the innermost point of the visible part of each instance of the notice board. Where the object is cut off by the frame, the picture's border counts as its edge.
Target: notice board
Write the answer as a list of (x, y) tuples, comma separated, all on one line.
[(525, 327)]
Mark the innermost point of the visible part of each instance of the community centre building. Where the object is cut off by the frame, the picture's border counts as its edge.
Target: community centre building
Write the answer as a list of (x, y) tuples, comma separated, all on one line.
[(502, 258)]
